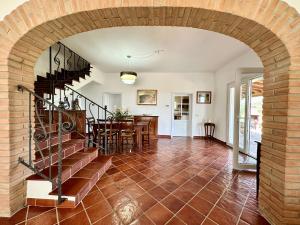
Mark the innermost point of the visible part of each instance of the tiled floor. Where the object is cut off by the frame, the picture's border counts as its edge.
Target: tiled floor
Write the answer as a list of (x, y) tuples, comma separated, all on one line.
[(178, 181)]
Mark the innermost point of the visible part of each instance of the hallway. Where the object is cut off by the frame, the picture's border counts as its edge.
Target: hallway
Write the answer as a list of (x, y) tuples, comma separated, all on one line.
[(174, 181)]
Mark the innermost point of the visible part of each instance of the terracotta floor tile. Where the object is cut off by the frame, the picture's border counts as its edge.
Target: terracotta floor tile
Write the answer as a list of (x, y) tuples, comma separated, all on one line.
[(163, 184), (201, 205), (209, 195), (208, 222), (47, 218), (66, 213), (241, 222), (235, 197), (145, 202), (111, 219), (175, 221), (128, 212), (253, 218), (190, 216), (119, 176), (179, 180), (134, 190), (220, 216), (112, 171), (252, 204), (173, 203), (229, 206), (78, 219), (192, 187), (158, 193), (105, 181), (169, 185), (110, 190), (130, 172), (16, 218), (159, 214), (138, 177), (183, 194), (147, 184), (35, 211), (216, 187), (200, 181), (98, 211), (93, 198), (143, 220), (116, 200)]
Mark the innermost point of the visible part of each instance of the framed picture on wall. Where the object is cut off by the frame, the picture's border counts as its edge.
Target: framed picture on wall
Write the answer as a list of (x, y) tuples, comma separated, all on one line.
[(203, 97), (146, 97)]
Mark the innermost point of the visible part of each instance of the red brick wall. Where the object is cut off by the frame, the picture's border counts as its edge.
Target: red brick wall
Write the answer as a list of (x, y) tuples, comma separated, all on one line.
[(269, 27)]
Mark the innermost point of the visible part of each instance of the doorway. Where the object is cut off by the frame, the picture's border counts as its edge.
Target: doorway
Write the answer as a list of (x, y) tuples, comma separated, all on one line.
[(248, 105), (182, 115), (113, 101)]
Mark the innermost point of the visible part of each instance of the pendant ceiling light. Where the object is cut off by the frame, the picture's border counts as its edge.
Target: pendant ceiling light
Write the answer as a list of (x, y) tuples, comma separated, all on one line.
[(128, 77)]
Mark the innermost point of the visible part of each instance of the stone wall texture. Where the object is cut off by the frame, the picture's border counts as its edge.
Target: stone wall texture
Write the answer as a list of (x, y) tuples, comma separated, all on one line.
[(270, 27)]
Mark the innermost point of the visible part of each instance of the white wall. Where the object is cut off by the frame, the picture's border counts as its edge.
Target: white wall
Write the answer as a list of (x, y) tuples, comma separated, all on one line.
[(166, 84), (224, 76)]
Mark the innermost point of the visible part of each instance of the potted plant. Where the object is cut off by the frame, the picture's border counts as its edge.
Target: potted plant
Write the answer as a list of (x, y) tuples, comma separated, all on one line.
[(120, 114)]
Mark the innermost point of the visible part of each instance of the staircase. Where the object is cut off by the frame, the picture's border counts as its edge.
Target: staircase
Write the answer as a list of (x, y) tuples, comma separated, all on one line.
[(65, 169), (65, 67)]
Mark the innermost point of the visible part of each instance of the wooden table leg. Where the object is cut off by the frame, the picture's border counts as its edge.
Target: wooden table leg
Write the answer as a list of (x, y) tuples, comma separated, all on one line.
[(139, 141)]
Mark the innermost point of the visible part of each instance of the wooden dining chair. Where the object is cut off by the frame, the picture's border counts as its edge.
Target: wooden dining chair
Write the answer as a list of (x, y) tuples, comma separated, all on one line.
[(146, 132), (127, 132), (105, 128)]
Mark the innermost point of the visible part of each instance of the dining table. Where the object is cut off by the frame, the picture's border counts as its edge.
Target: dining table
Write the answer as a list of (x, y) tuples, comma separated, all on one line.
[(138, 127)]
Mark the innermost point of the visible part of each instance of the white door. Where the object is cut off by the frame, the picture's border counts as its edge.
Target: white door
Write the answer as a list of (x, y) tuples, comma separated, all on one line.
[(248, 119), (181, 118)]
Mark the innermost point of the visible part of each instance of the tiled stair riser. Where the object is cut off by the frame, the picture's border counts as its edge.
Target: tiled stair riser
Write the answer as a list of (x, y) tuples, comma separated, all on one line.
[(66, 152), (78, 197), (54, 141), (77, 167)]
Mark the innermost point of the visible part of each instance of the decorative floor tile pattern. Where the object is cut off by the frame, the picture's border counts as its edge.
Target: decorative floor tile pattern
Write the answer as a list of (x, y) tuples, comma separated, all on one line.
[(177, 181)]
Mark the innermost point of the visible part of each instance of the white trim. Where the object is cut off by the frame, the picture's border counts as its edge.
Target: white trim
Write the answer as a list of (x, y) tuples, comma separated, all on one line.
[(190, 129), (240, 75)]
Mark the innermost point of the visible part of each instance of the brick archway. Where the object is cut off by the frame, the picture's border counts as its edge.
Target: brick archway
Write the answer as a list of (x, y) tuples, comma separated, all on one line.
[(269, 27)]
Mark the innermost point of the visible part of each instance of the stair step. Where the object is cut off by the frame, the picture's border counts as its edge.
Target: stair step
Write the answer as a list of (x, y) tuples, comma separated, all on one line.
[(39, 129), (78, 186), (68, 148), (70, 165), (54, 140)]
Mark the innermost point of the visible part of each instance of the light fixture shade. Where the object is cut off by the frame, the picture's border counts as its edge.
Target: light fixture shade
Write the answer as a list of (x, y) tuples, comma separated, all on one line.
[(128, 77)]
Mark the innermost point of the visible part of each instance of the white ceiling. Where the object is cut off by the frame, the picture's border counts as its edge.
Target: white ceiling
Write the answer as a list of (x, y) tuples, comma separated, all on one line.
[(185, 49)]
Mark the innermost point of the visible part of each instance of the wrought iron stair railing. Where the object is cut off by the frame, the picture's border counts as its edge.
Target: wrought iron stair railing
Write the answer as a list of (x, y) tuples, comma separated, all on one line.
[(65, 66), (41, 132), (93, 110)]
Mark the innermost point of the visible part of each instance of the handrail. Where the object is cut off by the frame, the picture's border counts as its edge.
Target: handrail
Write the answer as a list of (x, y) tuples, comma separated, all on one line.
[(59, 109), (22, 88), (46, 136), (89, 99)]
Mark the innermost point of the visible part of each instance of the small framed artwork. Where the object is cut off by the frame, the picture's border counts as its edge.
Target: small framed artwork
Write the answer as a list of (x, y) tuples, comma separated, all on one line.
[(146, 97), (203, 97)]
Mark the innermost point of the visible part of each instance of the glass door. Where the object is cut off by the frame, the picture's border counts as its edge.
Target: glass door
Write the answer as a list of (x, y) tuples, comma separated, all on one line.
[(248, 122)]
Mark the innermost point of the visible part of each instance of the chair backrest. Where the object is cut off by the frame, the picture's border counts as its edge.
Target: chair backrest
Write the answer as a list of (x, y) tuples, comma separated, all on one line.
[(90, 122)]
